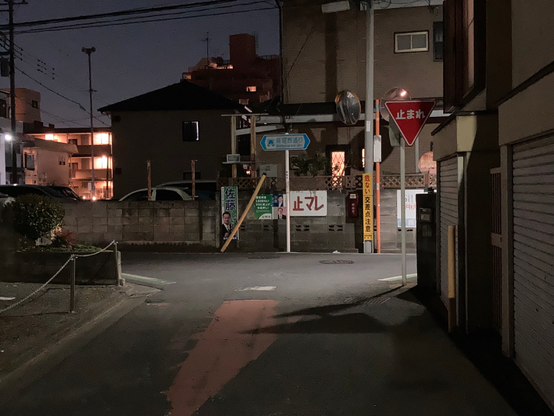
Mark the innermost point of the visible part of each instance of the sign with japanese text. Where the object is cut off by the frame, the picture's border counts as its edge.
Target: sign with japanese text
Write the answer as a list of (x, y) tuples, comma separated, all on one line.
[(367, 206), (229, 205), (410, 117), (285, 142), (308, 203), (411, 211), (263, 207)]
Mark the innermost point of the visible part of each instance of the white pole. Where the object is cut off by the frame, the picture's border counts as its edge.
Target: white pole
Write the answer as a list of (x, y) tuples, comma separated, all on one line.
[(287, 179), (403, 209), (368, 245)]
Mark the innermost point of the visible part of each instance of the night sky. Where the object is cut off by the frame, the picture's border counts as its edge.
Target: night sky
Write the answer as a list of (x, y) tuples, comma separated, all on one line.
[(129, 60)]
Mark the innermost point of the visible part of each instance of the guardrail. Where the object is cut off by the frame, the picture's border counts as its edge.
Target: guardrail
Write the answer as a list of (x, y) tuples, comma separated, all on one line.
[(71, 261)]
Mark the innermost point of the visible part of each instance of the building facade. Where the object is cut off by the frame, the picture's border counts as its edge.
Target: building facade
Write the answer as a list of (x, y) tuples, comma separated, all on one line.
[(245, 78), (495, 158), (169, 127), (80, 162)]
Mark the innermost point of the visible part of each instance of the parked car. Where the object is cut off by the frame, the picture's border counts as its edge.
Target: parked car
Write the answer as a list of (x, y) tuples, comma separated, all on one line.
[(165, 193), (17, 190), (205, 190), (66, 191), (4, 199)]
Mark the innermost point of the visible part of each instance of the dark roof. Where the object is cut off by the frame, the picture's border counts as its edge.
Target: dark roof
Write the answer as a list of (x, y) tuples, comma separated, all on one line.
[(183, 96)]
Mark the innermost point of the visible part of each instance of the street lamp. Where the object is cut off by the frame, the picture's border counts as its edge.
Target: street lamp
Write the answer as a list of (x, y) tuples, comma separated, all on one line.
[(89, 52), (369, 116), (8, 137)]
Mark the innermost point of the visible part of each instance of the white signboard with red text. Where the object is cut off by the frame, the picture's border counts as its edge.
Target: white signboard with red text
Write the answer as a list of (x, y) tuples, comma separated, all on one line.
[(410, 205), (308, 203)]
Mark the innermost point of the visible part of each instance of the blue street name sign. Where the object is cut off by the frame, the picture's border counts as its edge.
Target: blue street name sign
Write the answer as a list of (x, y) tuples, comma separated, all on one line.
[(285, 142)]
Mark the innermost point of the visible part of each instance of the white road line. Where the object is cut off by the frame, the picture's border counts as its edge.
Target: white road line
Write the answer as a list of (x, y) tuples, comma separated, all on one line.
[(146, 279), (258, 288), (395, 278)]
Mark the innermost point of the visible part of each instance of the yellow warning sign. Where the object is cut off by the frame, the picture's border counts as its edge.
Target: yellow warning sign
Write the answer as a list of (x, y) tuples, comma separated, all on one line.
[(367, 206)]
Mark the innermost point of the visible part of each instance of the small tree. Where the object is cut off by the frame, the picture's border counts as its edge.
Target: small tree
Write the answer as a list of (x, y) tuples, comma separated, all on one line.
[(312, 165), (36, 216)]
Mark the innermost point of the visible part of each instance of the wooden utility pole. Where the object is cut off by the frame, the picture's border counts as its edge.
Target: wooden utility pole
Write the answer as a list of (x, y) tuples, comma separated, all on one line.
[(234, 144), (253, 120), (193, 170), (14, 140), (149, 178)]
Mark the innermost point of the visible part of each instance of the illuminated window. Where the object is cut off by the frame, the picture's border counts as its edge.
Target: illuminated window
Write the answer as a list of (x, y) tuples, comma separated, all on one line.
[(49, 137), (363, 158), (102, 138), (101, 162), (411, 42), (338, 163), (251, 88)]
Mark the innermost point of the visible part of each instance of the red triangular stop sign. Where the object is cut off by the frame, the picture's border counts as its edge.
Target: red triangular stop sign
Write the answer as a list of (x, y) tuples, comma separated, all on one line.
[(410, 117)]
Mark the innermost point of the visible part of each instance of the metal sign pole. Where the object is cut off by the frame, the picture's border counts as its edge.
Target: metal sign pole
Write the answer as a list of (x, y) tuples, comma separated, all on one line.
[(287, 181), (403, 210)]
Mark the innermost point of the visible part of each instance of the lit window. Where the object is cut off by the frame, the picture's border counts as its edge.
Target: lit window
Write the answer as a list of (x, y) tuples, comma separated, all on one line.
[(338, 163), (411, 42), (101, 138), (251, 88), (49, 137), (101, 162)]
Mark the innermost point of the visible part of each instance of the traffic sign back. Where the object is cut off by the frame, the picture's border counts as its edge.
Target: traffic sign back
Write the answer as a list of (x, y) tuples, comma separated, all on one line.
[(410, 117)]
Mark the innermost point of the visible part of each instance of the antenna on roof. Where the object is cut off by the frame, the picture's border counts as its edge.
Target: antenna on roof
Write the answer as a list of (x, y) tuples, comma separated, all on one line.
[(207, 40)]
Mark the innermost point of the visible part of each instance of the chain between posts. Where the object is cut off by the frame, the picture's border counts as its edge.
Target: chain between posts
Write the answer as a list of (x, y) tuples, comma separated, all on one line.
[(72, 259)]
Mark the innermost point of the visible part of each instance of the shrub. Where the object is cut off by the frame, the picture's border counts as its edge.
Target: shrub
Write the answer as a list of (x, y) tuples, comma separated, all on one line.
[(36, 216), (311, 165), (64, 239)]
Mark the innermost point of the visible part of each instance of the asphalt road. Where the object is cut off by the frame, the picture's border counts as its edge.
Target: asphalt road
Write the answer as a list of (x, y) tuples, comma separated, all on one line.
[(261, 335)]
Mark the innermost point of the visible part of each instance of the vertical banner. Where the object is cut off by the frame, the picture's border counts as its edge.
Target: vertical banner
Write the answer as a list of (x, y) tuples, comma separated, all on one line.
[(368, 206), (229, 211)]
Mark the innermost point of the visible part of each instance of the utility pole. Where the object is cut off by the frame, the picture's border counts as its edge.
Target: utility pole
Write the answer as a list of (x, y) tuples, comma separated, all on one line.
[(15, 142), (89, 52), (370, 32)]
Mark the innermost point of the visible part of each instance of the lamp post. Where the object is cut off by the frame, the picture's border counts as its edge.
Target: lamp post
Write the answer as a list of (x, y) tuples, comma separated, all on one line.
[(89, 52), (366, 5)]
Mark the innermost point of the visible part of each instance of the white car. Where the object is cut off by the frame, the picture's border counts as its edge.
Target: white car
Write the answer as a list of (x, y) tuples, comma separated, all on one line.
[(164, 193)]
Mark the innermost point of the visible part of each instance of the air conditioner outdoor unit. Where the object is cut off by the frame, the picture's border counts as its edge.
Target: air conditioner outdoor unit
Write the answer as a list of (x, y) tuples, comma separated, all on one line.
[(233, 158)]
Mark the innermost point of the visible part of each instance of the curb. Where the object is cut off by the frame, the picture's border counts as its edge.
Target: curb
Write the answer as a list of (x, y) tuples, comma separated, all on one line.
[(93, 320)]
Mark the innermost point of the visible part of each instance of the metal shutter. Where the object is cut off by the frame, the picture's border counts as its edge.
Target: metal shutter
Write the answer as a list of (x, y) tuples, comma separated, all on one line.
[(533, 222), (448, 209)]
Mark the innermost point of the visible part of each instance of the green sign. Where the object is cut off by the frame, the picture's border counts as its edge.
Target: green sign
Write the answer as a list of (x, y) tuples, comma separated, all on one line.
[(263, 207), (229, 204)]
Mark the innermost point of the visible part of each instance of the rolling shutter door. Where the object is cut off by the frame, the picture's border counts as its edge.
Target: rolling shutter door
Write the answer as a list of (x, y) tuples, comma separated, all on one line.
[(533, 222), (448, 200)]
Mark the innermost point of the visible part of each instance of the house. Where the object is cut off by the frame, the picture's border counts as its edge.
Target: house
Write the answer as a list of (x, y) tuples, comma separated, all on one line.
[(80, 161), (495, 157), (325, 54), (246, 77), (170, 127), (47, 162)]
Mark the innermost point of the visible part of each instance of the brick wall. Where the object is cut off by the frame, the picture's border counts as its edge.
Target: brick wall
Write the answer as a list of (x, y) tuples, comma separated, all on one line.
[(173, 222)]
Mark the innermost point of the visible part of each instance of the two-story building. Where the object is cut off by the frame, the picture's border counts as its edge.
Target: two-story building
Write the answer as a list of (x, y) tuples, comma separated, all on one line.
[(495, 158), (170, 127)]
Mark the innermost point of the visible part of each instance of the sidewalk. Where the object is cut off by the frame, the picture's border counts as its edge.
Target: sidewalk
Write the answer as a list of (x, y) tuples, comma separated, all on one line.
[(29, 331)]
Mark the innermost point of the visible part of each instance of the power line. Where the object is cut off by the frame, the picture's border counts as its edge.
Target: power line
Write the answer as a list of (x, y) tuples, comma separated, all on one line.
[(144, 10), (60, 95), (106, 24)]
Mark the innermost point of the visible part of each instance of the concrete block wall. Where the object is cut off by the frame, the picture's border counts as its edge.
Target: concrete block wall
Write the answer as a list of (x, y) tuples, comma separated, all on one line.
[(307, 233), (164, 222)]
